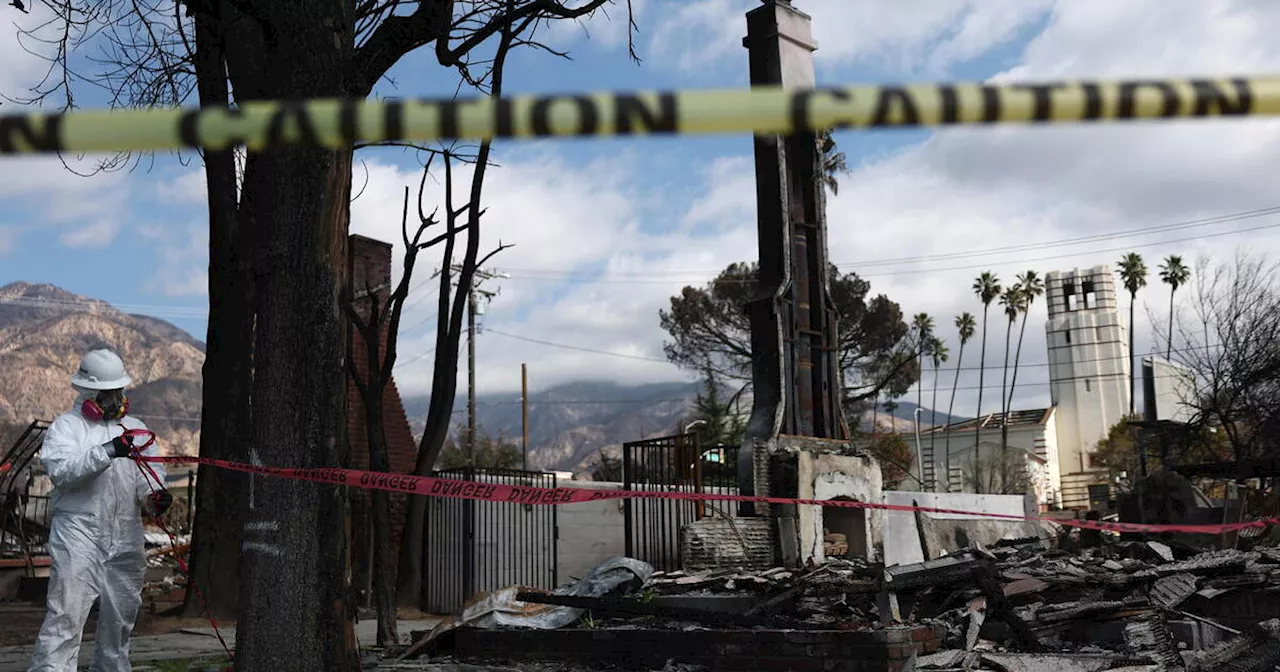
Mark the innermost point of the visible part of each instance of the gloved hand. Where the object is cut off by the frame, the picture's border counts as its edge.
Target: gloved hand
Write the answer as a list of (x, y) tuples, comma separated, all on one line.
[(159, 502), (120, 446)]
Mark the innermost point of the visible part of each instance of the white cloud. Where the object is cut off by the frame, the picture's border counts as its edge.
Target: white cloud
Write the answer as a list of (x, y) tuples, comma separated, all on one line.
[(42, 192), (23, 55), (95, 235), (182, 267), (608, 28), (558, 216), (187, 188), (40, 188), (919, 37), (962, 190), (992, 188), (731, 202)]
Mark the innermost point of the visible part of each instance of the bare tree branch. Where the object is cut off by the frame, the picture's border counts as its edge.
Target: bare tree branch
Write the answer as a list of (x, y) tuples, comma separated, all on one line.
[(1231, 342)]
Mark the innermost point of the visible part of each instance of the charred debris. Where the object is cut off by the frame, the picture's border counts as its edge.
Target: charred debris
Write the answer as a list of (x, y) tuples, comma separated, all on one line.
[(1019, 605)]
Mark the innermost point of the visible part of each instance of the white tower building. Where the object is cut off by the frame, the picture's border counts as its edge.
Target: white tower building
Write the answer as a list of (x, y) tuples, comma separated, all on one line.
[(1088, 345)]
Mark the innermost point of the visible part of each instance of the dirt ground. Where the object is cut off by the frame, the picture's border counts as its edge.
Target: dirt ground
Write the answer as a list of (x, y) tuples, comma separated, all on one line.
[(22, 621)]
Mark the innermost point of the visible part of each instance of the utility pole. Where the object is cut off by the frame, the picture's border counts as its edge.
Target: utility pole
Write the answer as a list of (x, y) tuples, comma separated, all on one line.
[(471, 377), (524, 417), (474, 308)]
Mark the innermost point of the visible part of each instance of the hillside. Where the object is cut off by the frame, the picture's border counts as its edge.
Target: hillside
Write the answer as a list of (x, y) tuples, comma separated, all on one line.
[(43, 332), (569, 424), (903, 418)]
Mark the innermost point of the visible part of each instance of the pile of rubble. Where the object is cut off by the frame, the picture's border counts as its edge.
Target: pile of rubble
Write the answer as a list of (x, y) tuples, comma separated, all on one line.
[(839, 593), (1020, 605), (1133, 602), (1023, 605), (164, 584), (1127, 603)]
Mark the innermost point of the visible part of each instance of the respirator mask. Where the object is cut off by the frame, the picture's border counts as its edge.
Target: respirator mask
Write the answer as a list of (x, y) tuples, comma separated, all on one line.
[(106, 405)]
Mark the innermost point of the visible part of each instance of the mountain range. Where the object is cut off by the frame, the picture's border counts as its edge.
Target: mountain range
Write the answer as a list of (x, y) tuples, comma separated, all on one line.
[(44, 330), (570, 423)]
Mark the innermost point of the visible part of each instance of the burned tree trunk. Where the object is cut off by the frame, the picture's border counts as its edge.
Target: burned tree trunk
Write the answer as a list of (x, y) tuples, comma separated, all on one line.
[(294, 557), (375, 321), (444, 381), (227, 376), (384, 557), (293, 594), (375, 311)]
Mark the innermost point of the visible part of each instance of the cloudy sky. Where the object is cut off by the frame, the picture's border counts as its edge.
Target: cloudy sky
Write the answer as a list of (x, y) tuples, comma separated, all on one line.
[(605, 231)]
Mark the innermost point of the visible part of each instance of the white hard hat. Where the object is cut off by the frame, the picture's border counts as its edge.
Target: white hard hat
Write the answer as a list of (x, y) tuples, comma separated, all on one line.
[(101, 370)]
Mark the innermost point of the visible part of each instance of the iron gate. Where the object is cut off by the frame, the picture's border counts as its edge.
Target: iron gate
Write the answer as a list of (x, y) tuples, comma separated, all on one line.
[(474, 546), (671, 464), (24, 516)]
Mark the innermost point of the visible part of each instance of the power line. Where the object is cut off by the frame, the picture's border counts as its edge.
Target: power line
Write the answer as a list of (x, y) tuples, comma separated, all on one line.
[(532, 402), (413, 359), (640, 280), (575, 347), (1123, 248), (651, 277), (992, 386), (579, 402), (939, 371), (102, 307), (419, 323), (1208, 221), (1021, 365), (1065, 242), (435, 292)]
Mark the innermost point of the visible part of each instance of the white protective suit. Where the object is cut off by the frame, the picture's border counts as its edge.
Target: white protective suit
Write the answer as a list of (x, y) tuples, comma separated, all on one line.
[(95, 541)]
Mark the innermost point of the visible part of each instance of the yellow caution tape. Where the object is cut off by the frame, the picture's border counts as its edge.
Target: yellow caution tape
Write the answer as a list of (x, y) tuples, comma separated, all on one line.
[(763, 110)]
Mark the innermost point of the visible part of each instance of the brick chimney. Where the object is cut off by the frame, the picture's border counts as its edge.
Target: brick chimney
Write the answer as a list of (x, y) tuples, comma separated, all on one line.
[(370, 265)]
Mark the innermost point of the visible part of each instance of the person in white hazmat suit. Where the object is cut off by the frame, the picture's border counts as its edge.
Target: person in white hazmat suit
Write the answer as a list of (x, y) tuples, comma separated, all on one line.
[(95, 537)]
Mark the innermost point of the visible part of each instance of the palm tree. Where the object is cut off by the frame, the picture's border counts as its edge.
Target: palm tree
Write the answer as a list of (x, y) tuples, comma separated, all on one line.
[(987, 288), (875, 415), (938, 355), (1012, 301), (1133, 273), (966, 324), (922, 324), (1175, 274), (834, 161), (1032, 287), (891, 407)]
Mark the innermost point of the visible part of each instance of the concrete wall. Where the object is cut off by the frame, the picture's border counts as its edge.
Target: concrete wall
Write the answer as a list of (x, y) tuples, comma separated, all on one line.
[(1032, 439), (590, 532), (902, 536), (1047, 449)]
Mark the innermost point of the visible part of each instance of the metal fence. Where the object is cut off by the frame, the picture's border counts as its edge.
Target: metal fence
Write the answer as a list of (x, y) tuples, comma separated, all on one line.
[(672, 464), (474, 546), (24, 509)]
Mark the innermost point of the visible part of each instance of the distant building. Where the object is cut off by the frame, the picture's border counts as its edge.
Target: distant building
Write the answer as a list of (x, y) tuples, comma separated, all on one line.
[(1032, 440), (1166, 388), (1088, 346)]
